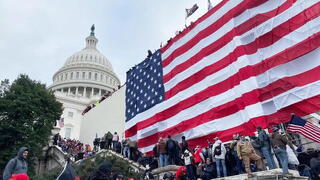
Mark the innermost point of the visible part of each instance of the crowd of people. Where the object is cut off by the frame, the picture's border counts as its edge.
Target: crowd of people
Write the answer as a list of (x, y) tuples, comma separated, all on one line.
[(244, 154), (90, 106), (74, 148)]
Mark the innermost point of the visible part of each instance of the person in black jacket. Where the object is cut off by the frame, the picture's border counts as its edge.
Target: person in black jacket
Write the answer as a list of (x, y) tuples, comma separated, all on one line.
[(145, 160), (96, 143), (103, 172), (230, 162), (208, 170), (184, 144), (171, 149), (315, 165)]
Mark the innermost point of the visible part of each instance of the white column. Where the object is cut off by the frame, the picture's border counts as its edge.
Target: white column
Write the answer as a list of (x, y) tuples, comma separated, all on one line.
[(92, 90), (99, 92), (84, 91), (77, 91), (69, 90), (62, 90)]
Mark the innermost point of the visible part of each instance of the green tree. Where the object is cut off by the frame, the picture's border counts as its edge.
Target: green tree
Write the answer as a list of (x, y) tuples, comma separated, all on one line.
[(28, 112), (89, 166), (4, 86)]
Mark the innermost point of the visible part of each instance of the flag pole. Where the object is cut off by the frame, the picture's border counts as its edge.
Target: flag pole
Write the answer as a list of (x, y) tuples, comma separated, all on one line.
[(65, 166), (185, 19)]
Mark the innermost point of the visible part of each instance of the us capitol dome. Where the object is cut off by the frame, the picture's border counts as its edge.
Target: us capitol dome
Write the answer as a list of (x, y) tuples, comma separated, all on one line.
[(83, 79)]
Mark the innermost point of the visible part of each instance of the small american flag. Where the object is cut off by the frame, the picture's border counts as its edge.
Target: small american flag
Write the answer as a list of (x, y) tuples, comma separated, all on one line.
[(307, 129), (190, 11), (61, 122)]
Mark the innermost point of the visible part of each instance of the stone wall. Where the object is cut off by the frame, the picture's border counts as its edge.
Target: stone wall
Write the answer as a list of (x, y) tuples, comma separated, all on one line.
[(54, 157)]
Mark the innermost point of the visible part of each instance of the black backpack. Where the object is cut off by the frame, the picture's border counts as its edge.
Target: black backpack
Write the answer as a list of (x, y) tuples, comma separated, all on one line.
[(170, 144), (217, 150), (265, 140)]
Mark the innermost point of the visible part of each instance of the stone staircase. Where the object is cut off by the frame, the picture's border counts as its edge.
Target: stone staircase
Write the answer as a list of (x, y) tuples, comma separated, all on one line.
[(53, 157), (274, 174), (56, 158), (104, 152)]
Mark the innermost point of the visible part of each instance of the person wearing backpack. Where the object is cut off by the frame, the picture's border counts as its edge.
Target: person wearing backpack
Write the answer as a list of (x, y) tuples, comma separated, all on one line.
[(109, 138), (171, 149), (17, 165), (115, 140), (265, 147), (219, 154)]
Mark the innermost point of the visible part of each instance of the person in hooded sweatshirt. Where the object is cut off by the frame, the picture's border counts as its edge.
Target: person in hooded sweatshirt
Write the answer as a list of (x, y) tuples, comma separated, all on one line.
[(17, 165), (219, 155)]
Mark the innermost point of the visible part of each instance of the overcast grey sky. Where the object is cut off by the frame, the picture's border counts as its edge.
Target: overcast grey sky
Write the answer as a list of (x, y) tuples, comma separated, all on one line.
[(37, 36)]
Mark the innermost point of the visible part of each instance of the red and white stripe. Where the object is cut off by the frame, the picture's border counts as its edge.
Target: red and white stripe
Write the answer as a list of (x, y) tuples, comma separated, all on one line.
[(241, 63), (309, 130)]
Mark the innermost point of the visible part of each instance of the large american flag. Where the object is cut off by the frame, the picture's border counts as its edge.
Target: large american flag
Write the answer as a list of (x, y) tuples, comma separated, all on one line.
[(244, 63)]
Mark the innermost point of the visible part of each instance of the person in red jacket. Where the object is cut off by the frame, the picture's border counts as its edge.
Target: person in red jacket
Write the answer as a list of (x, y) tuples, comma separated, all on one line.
[(198, 156)]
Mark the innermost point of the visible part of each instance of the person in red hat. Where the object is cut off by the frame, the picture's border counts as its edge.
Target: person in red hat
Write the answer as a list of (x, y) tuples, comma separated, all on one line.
[(182, 171), (19, 177)]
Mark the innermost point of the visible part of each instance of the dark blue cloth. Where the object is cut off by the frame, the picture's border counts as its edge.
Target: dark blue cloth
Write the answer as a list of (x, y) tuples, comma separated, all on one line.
[(296, 120), (190, 172), (144, 86)]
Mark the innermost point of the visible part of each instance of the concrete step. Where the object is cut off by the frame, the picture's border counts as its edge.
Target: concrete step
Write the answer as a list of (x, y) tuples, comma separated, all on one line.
[(274, 174)]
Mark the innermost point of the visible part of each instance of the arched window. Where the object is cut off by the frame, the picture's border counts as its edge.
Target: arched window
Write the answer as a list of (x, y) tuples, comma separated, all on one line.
[(71, 75), (77, 76), (89, 75), (95, 76)]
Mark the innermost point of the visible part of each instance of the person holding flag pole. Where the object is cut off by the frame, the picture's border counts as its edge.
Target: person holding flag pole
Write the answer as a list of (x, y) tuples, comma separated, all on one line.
[(209, 5), (68, 172)]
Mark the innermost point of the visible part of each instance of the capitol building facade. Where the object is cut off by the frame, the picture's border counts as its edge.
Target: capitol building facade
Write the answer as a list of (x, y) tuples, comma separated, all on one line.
[(85, 77)]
